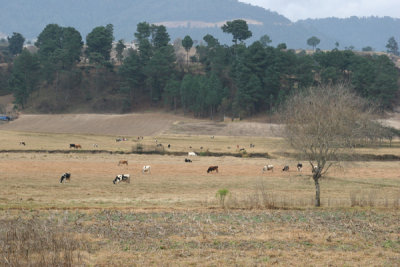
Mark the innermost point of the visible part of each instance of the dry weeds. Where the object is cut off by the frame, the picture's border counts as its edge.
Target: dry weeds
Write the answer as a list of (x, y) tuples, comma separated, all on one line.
[(204, 238)]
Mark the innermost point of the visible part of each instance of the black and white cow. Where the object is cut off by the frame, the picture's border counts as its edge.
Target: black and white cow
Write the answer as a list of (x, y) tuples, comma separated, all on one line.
[(122, 178), (65, 177), (188, 160), (299, 166)]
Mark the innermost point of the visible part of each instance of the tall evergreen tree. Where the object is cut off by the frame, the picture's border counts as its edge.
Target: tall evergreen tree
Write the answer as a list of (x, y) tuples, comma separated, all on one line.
[(24, 77), (15, 43), (132, 76), (160, 36), (392, 46), (99, 40), (239, 30), (313, 41), (172, 93), (120, 49), (187, 43), (159, 70)]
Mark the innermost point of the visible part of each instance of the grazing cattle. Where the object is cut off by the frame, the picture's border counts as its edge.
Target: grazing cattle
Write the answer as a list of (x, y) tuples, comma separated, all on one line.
[(71, 145), (118, 140), (242, 149), (122, 162), (22, 143), (77, 146), (299, 166), (212, 168), (95, 145), (169, 145), (191, 154), (146, 168), (285, 169), (159, 145), (268, 168), (122, 178), (201, 148), (188, 160), (66, 176), (252, 145)]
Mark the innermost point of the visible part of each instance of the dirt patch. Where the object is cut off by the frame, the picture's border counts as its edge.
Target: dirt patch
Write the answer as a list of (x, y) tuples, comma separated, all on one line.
[(139, 124), (129, 124)]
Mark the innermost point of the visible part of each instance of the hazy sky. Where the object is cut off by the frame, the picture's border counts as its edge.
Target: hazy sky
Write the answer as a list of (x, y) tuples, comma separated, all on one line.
[(303, 9)]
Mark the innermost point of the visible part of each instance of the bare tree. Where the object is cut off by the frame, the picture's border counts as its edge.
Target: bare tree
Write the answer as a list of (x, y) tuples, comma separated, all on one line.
[(322, 123)]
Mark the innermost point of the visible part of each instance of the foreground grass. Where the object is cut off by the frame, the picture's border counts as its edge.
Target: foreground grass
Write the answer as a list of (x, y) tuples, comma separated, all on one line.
[(203, 237)]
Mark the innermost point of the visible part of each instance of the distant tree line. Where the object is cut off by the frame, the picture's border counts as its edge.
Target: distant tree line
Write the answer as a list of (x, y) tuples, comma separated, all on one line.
[(236, 80)]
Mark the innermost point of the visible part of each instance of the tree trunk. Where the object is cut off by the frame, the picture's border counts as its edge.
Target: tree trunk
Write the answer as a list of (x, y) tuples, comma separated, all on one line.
[(317, 191), (175, 104)]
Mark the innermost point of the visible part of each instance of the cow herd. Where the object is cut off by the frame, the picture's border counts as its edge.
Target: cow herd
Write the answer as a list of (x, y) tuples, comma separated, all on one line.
[(299, 167), (147, 168)]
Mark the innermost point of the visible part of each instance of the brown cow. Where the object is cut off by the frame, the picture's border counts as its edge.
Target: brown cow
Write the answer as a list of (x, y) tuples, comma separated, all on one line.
[(122, 162), (212, 168), (77, 146)]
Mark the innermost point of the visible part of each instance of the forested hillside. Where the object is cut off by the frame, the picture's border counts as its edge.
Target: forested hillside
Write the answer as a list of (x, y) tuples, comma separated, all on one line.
[(195, 18), (205, 80)]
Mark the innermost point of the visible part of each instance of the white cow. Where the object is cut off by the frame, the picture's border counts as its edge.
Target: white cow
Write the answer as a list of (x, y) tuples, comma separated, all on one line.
[(145, 169), (268, 168), (314, 169), (192, 154)]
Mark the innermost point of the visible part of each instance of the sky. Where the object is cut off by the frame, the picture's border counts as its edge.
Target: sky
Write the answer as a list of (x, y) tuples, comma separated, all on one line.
[(303, 9)]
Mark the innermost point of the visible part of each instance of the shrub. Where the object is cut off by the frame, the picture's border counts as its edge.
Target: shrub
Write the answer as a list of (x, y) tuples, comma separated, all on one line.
[(221, 195)]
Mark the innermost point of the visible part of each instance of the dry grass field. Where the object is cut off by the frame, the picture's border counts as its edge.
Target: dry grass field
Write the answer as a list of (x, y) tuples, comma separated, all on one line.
[(174, 216)]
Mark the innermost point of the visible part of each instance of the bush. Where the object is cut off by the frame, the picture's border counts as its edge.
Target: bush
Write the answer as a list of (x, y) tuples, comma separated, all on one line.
[(221, 195)]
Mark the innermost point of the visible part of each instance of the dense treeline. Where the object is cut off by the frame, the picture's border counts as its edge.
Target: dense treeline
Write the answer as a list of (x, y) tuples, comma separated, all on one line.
[(236, 80)]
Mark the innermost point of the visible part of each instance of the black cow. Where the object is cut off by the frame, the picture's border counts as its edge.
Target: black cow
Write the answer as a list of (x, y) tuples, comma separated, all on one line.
[(122, 178), (188, 160), (22, 143), (169, 145), (285, 169), (212, 168), (66, 176), (71, 145), (299, 166)]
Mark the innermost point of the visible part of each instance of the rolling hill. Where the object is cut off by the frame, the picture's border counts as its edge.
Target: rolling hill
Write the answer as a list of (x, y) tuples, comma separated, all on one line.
[(195, 18)]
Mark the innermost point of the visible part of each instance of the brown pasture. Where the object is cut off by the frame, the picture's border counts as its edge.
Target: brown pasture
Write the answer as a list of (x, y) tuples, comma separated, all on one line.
[(173, 217), (31, 180)]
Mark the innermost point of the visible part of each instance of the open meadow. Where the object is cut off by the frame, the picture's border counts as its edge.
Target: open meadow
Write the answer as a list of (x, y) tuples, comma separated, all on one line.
[(179, 214)]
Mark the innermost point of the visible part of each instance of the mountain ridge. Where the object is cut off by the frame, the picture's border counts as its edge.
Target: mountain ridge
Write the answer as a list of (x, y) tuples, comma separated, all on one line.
[(29, 18)]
